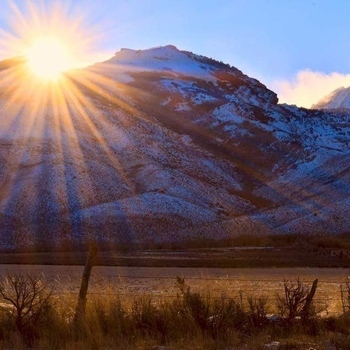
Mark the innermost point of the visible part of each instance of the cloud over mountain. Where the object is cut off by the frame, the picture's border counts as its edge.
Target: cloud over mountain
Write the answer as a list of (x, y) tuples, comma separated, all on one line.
[(308, 87)]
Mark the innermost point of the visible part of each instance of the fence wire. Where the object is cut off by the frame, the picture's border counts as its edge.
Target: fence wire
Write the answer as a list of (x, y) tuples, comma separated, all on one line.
[(328, 293)]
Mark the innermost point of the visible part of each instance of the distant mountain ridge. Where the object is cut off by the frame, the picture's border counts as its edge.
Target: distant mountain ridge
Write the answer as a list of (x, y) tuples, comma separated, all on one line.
[(166, 145), (337, 99)]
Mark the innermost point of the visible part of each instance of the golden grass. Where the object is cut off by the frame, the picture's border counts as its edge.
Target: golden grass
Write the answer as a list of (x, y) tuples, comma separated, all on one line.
[(196, 318)]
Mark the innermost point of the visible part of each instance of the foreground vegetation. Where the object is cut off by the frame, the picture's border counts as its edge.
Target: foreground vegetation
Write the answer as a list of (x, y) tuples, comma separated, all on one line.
[(31, 315)]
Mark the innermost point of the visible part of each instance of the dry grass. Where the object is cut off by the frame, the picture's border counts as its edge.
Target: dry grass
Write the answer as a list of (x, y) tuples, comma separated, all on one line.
[(191, 320), (159, 282)]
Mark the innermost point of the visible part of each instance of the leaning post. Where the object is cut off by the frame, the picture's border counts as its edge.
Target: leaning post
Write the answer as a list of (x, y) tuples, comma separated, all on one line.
[(90, 262), (305, 312)]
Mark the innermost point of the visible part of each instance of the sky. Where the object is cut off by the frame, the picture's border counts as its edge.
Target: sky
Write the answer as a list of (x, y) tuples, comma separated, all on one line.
[(298, 48)]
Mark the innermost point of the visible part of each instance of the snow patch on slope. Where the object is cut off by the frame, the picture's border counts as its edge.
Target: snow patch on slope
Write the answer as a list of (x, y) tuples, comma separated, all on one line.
[(160, 59), (152, 205)]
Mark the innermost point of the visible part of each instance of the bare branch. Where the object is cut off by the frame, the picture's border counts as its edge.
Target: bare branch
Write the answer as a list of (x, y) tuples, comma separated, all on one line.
[(30, 300)]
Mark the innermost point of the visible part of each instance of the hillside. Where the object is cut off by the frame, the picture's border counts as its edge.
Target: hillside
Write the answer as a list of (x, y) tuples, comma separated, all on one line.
[(165, 145)]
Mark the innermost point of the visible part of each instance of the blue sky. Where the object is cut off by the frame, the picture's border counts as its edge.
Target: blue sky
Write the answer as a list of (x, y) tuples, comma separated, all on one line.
[(271, 40)]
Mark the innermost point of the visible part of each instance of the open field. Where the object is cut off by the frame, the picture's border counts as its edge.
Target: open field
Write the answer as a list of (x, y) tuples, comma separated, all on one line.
[(147, 308), (220, 257), (160, 282)]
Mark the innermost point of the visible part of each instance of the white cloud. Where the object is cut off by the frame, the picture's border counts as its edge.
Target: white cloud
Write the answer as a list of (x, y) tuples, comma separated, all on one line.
[(308, 87)]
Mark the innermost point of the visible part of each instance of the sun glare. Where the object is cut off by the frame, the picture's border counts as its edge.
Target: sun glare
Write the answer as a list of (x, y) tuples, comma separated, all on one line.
[(54, 113), (53, 37), (48, 58)]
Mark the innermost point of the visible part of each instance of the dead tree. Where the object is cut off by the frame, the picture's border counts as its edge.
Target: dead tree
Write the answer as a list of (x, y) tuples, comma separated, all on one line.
[(30, 302), (90, 262), (297, 299)]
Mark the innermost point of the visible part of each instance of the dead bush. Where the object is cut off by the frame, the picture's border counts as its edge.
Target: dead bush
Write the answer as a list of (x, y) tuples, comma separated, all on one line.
[(29, 303), (297, 300)]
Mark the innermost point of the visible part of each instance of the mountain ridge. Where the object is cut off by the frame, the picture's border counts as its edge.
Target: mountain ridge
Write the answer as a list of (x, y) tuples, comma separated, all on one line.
[(338, 99), (166, 145)]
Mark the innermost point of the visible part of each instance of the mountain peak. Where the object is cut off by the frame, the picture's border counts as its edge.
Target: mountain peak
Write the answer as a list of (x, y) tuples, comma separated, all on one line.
[(164, 145), (337, 99), (168, 47), (156, 48), (162, 59)]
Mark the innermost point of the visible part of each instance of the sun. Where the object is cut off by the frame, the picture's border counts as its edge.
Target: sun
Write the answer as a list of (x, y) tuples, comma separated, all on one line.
[(52, 36), (49, 57)]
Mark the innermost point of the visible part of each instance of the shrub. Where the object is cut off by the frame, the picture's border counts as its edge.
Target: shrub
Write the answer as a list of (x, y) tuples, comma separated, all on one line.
[(212, 316), (257, 311), (30, 303), (297, 300), (149, 319)]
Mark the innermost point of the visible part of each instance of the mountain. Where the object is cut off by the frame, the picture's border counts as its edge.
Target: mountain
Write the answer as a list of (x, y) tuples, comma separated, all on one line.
[(164, 145), (338, 99)]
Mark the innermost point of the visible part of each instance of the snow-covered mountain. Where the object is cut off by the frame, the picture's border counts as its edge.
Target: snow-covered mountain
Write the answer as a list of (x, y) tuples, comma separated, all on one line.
[(338, 99), (165, 145)]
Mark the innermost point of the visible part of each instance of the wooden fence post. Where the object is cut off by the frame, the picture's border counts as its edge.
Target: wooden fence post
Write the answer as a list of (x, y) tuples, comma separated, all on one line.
[(305, 312), (90, 262)]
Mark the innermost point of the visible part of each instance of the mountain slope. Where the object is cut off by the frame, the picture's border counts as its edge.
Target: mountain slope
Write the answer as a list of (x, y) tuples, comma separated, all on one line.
[(338, 99), (165, 145)]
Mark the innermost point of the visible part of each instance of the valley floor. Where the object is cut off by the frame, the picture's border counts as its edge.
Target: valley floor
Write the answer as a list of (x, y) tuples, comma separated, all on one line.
[(234, 257), (147, 301), (160, 283)]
